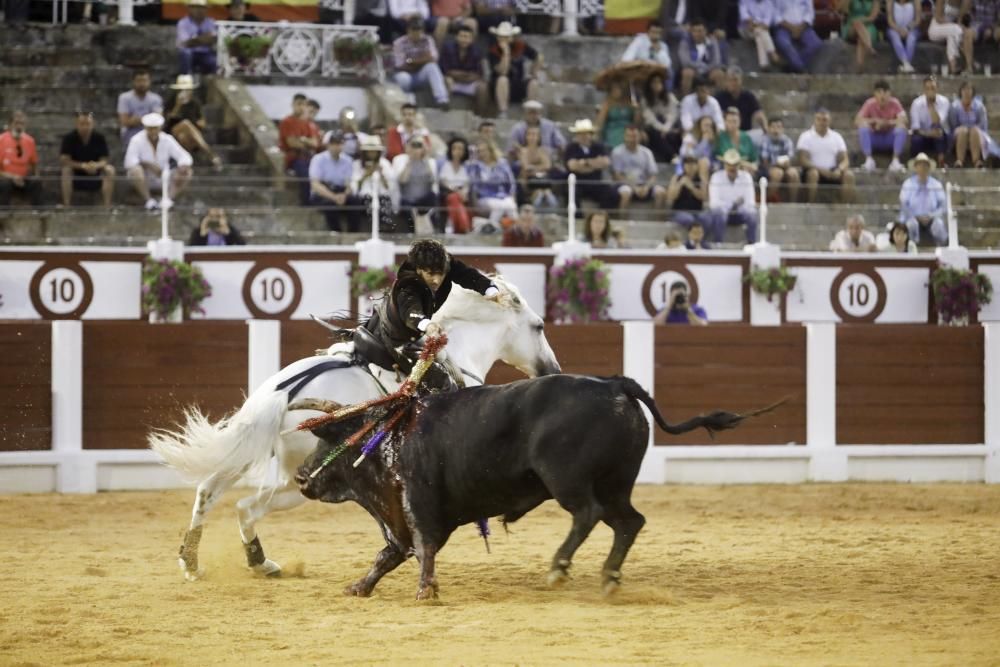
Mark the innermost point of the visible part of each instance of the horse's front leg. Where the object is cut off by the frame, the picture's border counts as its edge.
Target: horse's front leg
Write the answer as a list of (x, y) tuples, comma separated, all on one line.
[(386, 561)]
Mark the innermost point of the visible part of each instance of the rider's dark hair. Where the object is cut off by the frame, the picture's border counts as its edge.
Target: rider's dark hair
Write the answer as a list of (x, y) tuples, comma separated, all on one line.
[(429, 255)]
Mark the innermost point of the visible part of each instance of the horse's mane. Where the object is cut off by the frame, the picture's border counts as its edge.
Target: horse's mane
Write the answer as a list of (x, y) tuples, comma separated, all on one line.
[(469, 305)]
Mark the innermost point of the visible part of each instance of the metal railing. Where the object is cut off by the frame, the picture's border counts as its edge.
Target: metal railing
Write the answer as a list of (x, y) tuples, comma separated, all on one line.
[(298, 49)]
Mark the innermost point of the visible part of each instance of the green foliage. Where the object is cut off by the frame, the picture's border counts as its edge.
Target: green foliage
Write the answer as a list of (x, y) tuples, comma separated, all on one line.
[(248, 47), (351, 50), (959, 295), (168, 285), (369, 280), (771, 281), (578, 291)]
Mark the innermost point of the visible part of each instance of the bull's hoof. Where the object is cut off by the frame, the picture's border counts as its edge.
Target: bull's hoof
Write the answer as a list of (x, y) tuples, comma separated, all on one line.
[(427, 593), (557, 577), (358, 590), (612, 582), (190, 574), (267, 569)]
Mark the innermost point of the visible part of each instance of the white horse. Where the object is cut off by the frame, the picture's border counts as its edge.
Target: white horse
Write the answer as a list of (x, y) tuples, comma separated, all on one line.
[(480, 332)]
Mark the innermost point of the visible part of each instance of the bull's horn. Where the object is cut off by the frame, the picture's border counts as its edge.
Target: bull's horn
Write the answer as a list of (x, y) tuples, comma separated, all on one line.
[(320, 404)]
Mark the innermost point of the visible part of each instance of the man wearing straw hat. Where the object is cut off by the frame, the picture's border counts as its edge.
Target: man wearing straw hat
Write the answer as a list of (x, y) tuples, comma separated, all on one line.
[(148, 154), (196, 40), (731, 198), (588, 159), (512, 80), (922, 204)]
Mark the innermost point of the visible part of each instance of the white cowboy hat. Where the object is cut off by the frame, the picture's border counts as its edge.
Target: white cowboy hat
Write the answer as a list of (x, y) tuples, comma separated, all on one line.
[(197, 3), (184, 82), (732, 156), (582, 125), (533, 104), (505, 29), (922, 157), (371, 144), (152, 120)]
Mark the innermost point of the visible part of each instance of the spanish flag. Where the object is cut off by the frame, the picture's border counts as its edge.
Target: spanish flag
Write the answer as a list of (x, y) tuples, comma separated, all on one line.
[(306, 11)]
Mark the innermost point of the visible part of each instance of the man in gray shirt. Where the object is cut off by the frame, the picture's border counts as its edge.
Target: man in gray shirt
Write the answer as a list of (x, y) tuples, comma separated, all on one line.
[(634, 167), (136, 103)]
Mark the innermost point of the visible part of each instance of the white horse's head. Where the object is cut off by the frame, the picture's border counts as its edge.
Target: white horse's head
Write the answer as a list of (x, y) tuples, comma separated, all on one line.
[(482, 331)]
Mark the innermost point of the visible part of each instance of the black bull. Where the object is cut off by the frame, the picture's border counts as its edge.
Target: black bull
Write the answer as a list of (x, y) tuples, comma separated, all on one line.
[(501, 451)]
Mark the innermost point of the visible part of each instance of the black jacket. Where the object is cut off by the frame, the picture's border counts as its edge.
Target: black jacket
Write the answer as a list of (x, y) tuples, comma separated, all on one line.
[(232, 238), (410, 300)]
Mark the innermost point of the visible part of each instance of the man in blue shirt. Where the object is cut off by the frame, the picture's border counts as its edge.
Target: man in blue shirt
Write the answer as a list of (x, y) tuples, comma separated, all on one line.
[(922, 203), (680, 310), (330, 185), (793, 33), (196, 40)]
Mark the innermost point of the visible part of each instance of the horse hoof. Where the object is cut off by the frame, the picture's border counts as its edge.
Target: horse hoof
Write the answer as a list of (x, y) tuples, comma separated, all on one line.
[(557, 577), (267, 569), (189, 573), (610, 587)]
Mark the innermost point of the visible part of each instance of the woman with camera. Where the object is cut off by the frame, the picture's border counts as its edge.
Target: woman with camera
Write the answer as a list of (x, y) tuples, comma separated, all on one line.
[(680, 310), (215, 230)]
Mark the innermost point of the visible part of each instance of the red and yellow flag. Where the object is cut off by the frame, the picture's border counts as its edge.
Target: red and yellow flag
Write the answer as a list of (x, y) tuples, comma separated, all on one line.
[(265, 10)]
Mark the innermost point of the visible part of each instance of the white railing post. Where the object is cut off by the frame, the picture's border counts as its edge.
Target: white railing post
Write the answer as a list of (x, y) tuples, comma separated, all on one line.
[(164, 205), (826, 462), (952, 220), (349, 11), (762, 228), (571, 10), (125, 15), (638, 363), (571, 207), (991, 400), (263, 351), (75, 474), (764, 312), (570, 248)]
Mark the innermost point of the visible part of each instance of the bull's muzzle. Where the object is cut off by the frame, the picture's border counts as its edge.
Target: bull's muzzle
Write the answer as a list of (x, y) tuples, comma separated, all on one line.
[(304, 481)]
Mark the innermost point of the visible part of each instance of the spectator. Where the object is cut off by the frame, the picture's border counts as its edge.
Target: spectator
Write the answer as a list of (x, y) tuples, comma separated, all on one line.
[(374, 179), (403, 14), (598, 232), (686, 195), (859, 24), (408, 128), (929, 122), (969, 123), (922, 203), (794, 36), (493, 185), (240, 11), (347, 122), (649, 45), (416, 173), (616, 113), (945, 27), (535, 174), (679, 310), (588, 160), (881, 124), (330, 175), (551, 138), (777, 153), (417, 63), (734, 138), (731, 199), (756, 19), (904, 31), (215, 230), (136, 103), (672, 241), (700, 144), (185, 119), (698, 104), (699, 56), (634, 168), (453, 182), (299, 141), (148, 154), (696, 237), (752, 118), (661, 119), (524, 233), (854, 237), (19, 162), (494, 13), (84, 157), (823, 156), (196, 40), (462, 64), (514, 65), (898, 240), (985, 22), (451, 15)]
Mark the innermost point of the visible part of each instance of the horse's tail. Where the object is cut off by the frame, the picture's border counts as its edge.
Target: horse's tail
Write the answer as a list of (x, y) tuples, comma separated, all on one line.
[(234, 446), (718, 420)]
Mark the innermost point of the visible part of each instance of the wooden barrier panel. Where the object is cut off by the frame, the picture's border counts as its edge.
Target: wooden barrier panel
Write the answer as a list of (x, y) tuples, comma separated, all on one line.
[(25, 386), (587, 349), (735, 368), (301, 338), (138, 376), (909, 384)]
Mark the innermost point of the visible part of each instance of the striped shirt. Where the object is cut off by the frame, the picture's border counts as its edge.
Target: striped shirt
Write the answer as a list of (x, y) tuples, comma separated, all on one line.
[(404, 49)]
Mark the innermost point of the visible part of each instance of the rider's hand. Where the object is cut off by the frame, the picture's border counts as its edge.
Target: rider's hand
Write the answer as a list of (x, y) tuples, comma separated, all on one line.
[(492, 293), (433, 329)]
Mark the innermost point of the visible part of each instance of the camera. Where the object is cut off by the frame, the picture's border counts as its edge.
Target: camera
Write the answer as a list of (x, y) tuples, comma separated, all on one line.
[(213, 223), (680, 300)]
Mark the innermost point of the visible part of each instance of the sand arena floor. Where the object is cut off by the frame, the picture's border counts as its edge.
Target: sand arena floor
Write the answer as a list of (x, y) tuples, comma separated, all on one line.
[(832, 575)]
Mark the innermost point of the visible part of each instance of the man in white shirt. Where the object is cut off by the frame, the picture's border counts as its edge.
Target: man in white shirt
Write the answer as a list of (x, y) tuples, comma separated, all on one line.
[(634, 168), (929, 122), (698, 104), (148, 154), (823, 156), (731, 198), (649, 45), (854, 238)]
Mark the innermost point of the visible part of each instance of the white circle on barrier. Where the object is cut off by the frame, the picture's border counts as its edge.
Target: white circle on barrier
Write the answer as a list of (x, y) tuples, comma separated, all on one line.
[(272, 290), (659, 288), (858, 295), (61, 291)]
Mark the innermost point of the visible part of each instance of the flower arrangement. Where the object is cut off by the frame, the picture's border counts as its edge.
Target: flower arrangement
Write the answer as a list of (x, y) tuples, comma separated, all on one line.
[(169, 284), (354, 50), (959, 294), (369, 280), (771, 281), (578, 291), (245, 47)]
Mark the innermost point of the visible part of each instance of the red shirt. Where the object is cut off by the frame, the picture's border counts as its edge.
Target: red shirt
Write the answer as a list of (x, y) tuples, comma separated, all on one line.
[(515, 238), (889, 112), (293, 126), (12, 163)]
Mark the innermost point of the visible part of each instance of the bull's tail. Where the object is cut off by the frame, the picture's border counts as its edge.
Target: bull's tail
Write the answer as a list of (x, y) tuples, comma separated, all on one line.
[(718, 420)]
